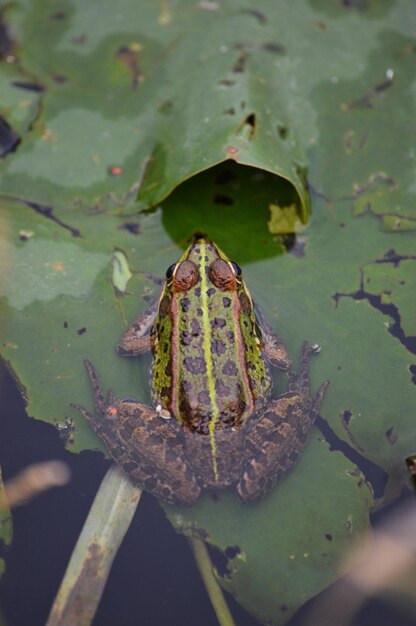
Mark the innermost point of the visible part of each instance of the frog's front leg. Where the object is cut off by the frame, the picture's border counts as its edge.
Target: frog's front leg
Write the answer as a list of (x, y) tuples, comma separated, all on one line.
[(276, 439), (273, 347), (136, 339), (148, 448)]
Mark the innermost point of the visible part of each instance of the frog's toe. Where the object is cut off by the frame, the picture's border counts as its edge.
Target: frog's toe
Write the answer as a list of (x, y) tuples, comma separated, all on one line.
[(316, 402), (83, 411), (253, 486)]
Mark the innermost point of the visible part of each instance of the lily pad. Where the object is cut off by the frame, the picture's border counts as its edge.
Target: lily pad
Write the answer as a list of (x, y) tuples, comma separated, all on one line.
[(292, 535), (80, 262), (137, 130)]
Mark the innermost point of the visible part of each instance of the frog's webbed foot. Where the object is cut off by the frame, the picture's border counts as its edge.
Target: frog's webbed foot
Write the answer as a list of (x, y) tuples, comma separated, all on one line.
[(274, 349), (136, 339), (275, 441)]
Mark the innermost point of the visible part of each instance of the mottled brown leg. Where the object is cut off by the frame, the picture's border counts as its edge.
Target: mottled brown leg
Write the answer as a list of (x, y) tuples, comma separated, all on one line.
[(136, 339), (273, 349), (147, 447), (275, 440)]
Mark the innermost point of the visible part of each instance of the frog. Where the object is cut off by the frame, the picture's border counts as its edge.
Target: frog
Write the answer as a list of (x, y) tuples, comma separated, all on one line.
[(213, 423)]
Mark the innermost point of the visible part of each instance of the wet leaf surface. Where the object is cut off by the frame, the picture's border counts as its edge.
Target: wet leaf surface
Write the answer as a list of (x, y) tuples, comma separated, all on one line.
[(80, 262)]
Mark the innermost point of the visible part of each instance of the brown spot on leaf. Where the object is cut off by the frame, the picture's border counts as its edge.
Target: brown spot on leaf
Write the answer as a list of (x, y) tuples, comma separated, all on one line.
[(129, 55), (240, 65)]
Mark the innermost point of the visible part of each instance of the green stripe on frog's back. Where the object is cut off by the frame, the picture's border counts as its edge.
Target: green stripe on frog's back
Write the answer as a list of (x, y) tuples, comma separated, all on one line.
[(162, 375)]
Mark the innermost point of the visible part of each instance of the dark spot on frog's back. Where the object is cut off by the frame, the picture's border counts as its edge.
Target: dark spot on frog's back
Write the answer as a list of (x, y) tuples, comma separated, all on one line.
[(195, 365), (222, 389), (186, 338), (210, 291), (185, 304), (218, 322), (195, 328), (185, 386), (218, 347), (203, 397), (230, 368), (226, 302), (230, 336)]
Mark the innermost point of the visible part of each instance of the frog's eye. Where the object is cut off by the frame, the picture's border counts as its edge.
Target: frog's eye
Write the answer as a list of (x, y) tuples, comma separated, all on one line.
[(186, 276), (236, 268), (170, 270), (222, 275)]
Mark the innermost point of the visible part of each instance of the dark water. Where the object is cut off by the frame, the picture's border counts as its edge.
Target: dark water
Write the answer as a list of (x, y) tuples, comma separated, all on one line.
[(154, 580)]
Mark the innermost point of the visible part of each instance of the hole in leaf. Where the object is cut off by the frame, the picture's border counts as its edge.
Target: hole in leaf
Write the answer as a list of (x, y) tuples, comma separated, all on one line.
[(20, 84), (226, 82), (9, 139), (248, 126), (6, 42), (283, 131), (259, 15), (274, 48), (59, 79), (240, 65), (58, 16), (391, 435), (131, 227)]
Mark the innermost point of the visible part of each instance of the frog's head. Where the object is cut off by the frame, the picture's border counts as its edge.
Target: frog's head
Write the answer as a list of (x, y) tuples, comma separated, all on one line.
[(203, 262)]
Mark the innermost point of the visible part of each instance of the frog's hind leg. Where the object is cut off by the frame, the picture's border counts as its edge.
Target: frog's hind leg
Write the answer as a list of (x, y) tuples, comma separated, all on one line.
[(150, 450), (275, 441), (147, 447)]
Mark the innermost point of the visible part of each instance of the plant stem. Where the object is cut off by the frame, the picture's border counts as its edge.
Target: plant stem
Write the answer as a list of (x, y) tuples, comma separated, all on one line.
[(89, 567), (214, 591)]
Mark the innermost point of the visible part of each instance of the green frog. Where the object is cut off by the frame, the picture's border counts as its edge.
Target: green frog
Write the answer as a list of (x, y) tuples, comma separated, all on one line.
[(213, 423)]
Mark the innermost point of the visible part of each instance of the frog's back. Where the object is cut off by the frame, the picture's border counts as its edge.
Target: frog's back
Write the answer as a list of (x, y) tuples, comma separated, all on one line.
[(209, 372)]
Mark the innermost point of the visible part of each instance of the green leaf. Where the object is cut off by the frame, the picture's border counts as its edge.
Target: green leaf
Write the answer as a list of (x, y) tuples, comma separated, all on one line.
[(137, 131), (293, 535), (162, 107)]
